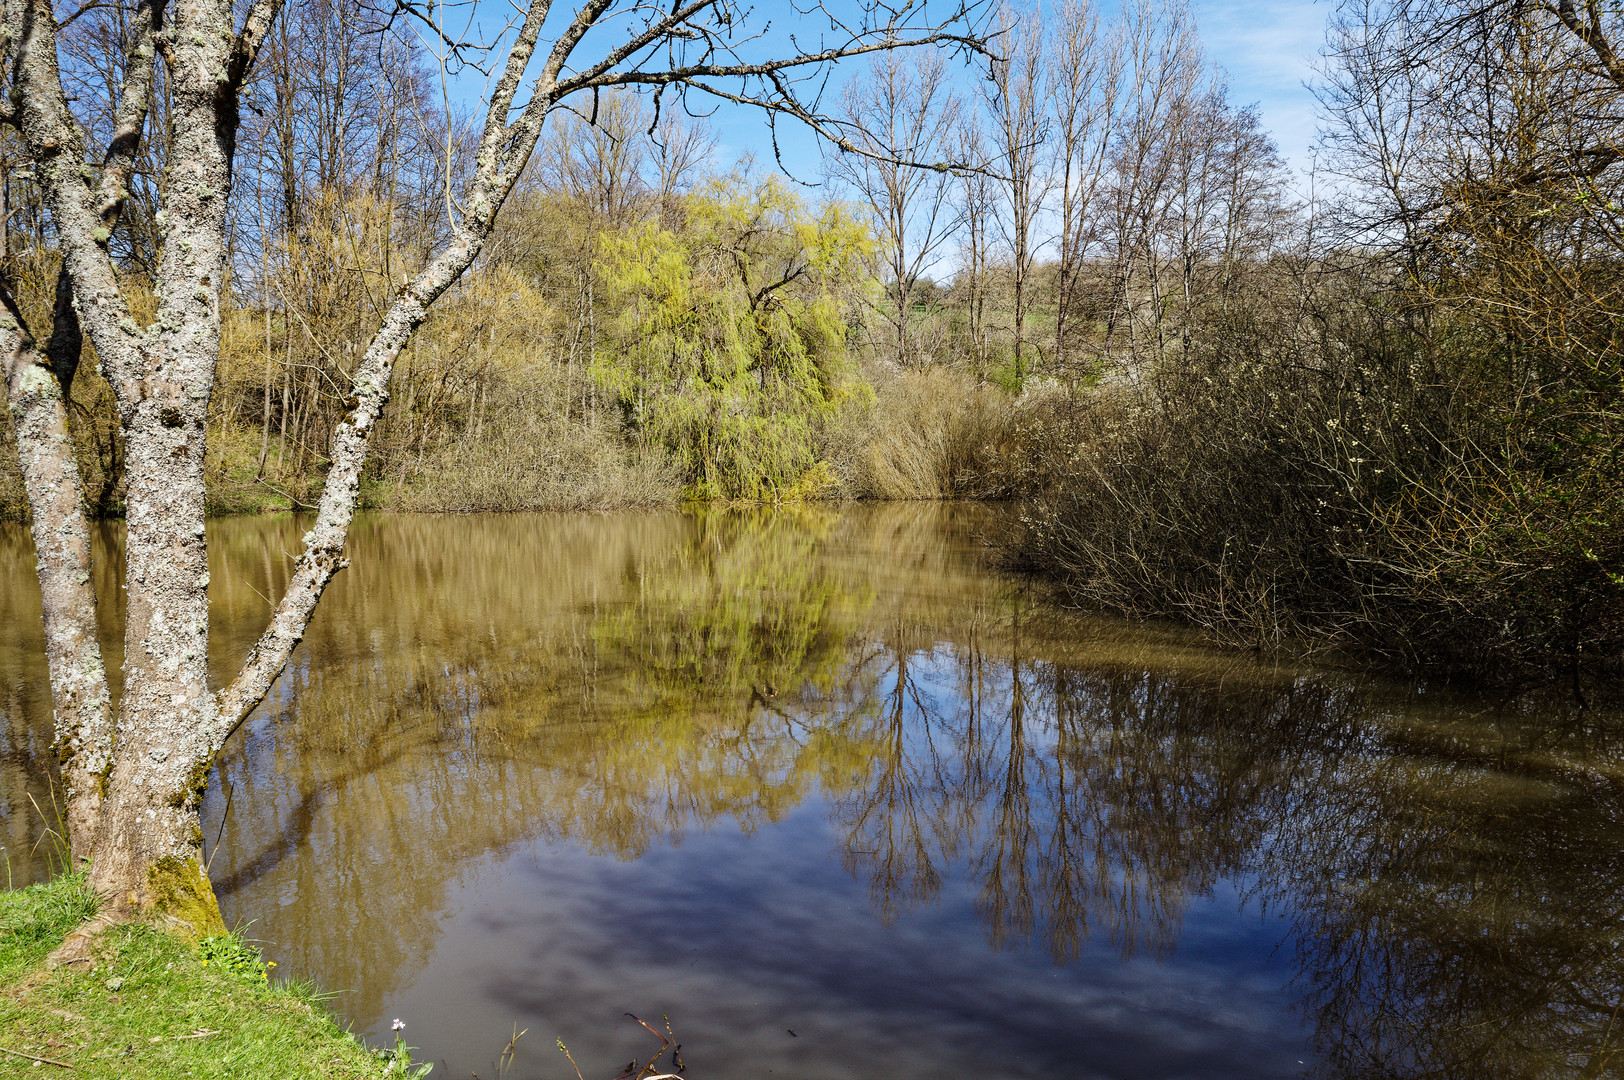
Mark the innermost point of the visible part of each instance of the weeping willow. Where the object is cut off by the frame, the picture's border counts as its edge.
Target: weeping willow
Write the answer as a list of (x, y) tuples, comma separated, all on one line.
[(730, 351)]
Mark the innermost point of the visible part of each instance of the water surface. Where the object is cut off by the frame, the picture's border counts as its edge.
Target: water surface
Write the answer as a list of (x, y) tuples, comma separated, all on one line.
[(840, 801)]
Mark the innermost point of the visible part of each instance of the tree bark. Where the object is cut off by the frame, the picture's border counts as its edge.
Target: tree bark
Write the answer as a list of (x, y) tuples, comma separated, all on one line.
[(79, 697), (167, 713)]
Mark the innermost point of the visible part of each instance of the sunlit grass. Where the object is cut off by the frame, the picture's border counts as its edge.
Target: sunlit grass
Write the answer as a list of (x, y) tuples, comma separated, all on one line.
[(149, 1006)]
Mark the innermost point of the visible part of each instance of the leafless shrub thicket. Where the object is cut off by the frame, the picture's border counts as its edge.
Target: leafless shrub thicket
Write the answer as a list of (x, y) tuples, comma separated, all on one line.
[(1404, 436)]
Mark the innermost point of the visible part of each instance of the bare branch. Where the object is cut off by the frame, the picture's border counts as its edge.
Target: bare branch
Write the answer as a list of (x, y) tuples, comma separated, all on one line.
[(513, 71), (458, 50), (1589, 31), (84, 9), (134, 102), (80, 700), (689, 74), (256, 25), (1597, 159), (56, 145)]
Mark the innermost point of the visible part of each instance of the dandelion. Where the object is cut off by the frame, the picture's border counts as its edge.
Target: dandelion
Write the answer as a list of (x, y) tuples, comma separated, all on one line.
[(398, 1025)]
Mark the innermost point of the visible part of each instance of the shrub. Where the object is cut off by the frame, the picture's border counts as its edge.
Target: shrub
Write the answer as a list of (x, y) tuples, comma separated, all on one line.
[(1358, 488)]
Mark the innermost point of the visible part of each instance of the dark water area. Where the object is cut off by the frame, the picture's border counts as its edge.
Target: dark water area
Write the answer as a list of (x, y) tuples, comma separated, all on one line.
[(838, 800)]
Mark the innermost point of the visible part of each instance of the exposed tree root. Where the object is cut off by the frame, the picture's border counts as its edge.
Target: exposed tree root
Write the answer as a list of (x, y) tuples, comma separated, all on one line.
[(79, 947)]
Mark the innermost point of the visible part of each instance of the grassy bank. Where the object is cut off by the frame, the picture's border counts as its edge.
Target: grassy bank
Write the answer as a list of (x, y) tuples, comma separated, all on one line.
[(153, 1005)]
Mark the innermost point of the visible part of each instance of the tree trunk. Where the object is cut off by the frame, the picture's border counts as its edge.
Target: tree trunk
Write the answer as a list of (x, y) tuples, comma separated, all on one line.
[(79, 698), (165, 717), (147, 848)]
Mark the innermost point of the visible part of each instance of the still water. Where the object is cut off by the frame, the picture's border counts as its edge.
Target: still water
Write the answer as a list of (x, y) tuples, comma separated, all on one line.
[(834, 799)]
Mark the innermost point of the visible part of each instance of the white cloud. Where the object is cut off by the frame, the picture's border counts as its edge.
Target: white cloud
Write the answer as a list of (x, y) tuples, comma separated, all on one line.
[(1269, 48)]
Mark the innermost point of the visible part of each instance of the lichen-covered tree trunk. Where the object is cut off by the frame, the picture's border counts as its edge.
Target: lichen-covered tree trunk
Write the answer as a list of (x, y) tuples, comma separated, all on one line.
[(79, 699), (166, 718)]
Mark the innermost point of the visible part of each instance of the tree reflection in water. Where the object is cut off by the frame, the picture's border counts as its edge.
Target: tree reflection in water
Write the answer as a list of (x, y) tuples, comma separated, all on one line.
[(1450, 880)]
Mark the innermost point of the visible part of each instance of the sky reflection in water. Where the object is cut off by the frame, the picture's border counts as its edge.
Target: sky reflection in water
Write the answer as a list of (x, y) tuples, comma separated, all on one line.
[(822, 771)]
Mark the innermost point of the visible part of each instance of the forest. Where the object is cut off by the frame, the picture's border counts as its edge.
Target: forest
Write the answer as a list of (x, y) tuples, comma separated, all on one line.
[(1376, 406)]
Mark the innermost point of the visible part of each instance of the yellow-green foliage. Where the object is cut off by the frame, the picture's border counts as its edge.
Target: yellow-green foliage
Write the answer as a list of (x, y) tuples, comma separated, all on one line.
[(730, 346)]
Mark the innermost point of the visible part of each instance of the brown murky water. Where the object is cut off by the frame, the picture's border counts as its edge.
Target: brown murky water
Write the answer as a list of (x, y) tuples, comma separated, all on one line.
[(841, 802)]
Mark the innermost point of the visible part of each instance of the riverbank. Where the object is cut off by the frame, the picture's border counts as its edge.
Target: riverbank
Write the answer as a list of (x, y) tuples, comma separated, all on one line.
[(151, 1004)]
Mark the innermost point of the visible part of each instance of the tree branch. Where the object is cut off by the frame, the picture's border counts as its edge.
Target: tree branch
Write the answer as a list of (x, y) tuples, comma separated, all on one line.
[(831, 129), (130, 121), (1600, 158), (518, 59), (80, 701), (1588, 30), (55, 143), (245, 49)]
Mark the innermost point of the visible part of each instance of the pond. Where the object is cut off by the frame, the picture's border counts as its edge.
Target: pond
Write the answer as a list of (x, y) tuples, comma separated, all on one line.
[(833, 798)]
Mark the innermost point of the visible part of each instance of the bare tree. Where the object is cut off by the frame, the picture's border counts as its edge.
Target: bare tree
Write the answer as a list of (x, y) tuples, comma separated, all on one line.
[(1087, 64), (1015, 96), (977, 205), (132, 799), (1164, 72), (1375, 129), (599, 158), (681, 147), (1480, 143), (903, 111)]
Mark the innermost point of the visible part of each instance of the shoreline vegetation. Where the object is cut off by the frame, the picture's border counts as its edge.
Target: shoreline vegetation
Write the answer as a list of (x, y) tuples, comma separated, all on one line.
[(1387, 421), (154, 1003)]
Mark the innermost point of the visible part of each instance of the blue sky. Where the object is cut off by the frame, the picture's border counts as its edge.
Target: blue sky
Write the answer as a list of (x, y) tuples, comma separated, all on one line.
[(1269, 48)]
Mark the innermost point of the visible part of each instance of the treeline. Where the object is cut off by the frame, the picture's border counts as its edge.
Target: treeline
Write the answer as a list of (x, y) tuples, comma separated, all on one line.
[(1113, 203), (652, 322), (1387, 416)]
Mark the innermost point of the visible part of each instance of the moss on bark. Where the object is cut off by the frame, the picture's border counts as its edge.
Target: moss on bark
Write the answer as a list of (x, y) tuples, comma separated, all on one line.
[(179, 891)]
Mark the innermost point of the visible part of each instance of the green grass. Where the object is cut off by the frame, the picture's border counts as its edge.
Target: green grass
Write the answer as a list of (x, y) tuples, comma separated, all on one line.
[(154, 1005)]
